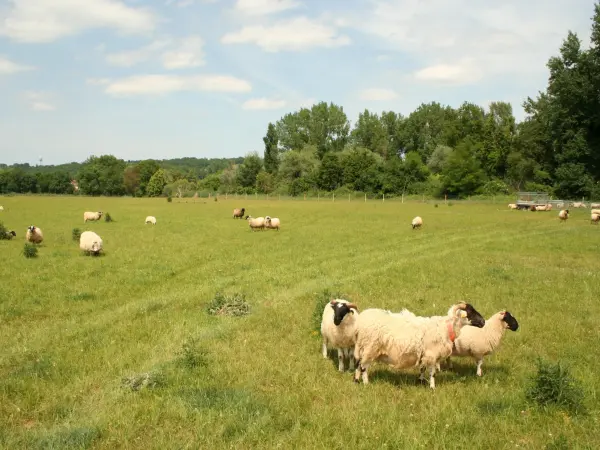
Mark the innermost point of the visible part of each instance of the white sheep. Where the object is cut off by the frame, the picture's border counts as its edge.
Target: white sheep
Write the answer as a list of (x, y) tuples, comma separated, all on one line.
[(91, 216), (512, 206), (479, 342), (90, 242), (256, 223), (578, 205), (272, 223), (1, 208), (34, 235), (560, 205), (403, 341), (594, 205), (338, 327), (417, 222), (595, 218), (563, 215), (150, 219), (595, 211)]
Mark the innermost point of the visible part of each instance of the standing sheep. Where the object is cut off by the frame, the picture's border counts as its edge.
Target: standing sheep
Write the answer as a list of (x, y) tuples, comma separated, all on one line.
[(90, 242), (595, 218), (91, 216), (417, 222), (34, 235), (402, 341), (150, 219), (272, 223), (595, 211), (512, 206), (563, 215), (239, 213), (338, 327), (257, 223), (480, 342), (595, 205)]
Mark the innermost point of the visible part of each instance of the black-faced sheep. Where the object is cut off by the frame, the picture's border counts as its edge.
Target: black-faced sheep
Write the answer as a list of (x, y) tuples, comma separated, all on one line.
[(34, 235), (338, 327), (239, 213)]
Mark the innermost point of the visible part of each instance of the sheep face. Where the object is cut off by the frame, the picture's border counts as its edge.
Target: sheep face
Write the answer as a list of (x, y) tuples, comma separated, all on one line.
[(471, 315), (12, 232), (31, 228), (510, 321), (340, 310)]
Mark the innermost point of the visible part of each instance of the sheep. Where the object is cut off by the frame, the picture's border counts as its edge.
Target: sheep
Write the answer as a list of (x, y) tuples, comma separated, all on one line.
[(595, 211), (34, 234), (91, 216), (549, 207), (272, 222), (512, 206), (90, 242), (563, 215), (338, 327), (480, 342), (595, 218), (594, 205), (560, 205), (9, 235), (256, 223), (532, 208), (417, 222), (239, 213), (150, 219), (402, 341), (578, 205), (1, 208)]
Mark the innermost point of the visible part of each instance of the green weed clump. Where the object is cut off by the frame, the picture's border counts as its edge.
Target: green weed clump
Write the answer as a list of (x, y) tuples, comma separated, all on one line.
[(30, 250), (147, 380), (192, 354), (553, 385), (233, 305), (108, 218), (169, 199), (76, 234)]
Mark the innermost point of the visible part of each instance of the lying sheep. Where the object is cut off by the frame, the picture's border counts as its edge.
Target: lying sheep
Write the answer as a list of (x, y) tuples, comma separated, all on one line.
[(257, 223), (9, 235), (560, 205), (480, 342), (563, 215), (150, 219), (595, 218), (338, 327), (595, 211), (91, 216), (272, 223), (402, 341), (34, 235), (417, 222), (512, 206), (594, 205), (239, 213), (578, 205), (90, 242)]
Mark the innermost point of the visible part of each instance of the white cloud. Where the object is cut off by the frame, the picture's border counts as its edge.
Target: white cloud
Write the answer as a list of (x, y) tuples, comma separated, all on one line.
[(166, 84), (190, 53), (263, 103), (378, 94), (130, 58), (39, 101), (97, 81), (264, 7), (48, 20), (295, 34), (463, 72), (8, 67)]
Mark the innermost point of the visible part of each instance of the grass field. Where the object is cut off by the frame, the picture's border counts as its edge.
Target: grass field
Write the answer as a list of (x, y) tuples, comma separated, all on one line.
[(72, 327)]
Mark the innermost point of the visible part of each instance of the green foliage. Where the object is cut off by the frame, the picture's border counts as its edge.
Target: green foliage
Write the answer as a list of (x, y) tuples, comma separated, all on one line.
[(192, 355), (553, 385), (248, 171), (271, 156), (228, 305), (30, 250), (560, 443), (169, 199), (102, 175), (157, 183), (462, 173), (108, 218), (5, 234), (265, 182), (76, 234)]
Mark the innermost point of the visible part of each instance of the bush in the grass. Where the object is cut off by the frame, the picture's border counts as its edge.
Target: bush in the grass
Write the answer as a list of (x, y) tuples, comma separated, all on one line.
[(192, 354), (30, 250), (230, 305), (108, 218), (5, 233), (169, 199), (76, 234)]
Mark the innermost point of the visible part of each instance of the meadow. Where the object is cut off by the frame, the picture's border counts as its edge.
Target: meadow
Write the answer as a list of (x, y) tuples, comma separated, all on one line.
[(73, 327)]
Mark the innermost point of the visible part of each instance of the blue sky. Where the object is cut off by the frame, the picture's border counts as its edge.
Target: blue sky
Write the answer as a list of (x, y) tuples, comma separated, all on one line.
[(173, 78)]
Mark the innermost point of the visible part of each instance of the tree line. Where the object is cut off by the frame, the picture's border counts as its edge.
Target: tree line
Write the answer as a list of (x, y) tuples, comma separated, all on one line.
[(436, 150)]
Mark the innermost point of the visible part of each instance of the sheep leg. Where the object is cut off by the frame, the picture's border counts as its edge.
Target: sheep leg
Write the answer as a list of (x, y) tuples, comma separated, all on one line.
[(324, 349), (479, 363), (449, 362), (361, 369), (422, 373), (350, 353), (432, 377), (340, 353)]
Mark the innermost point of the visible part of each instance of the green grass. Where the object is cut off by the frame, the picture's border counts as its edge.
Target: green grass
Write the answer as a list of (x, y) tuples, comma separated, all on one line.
[(80, 335)]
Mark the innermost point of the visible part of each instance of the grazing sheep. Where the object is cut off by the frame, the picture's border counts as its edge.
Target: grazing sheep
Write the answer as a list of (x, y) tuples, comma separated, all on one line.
[(532, 208), (578, 205), (338, 329), (417, 222), (90, 242), (91, 216), (402, 341), (480, 342), (560, 205), (549, 207), (256, 223), (563, 215), (594, 205), (272, 222), (595, 218), (9, 235), (512, 206), (34, 235), (595, 211), (239, 213), (150, 219)]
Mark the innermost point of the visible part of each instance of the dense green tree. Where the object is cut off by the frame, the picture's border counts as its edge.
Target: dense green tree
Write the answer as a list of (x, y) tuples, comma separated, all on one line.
[(271, 156), (247, 172), (157, 183), (462, 174), (102, 175)]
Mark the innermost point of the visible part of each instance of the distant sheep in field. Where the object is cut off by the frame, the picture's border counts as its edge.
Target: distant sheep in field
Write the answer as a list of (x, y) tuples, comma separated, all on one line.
[(34, 235), (338, 329), (150, 219), (417, 222), (1, 208), (90, 242), (578, 205), (560, 205), (272, 223), (239, 213), (256, 223), (563, 215), (533, 208), (91, 216), (595, 211), (595, 205), (595, 218), (512, 206)]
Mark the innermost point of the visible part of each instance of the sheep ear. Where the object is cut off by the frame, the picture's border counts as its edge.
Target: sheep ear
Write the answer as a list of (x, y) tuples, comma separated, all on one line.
[(463, 314)]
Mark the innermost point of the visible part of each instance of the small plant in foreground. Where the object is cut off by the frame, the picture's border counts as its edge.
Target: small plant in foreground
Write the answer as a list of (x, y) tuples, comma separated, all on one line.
[(553, 385), (435, 206), (192, 355), (76, 234), (30, 250), (234, 305), (320, 301), (108, 218), (169, 199), (5, 234), (560, 443), (143, 380)]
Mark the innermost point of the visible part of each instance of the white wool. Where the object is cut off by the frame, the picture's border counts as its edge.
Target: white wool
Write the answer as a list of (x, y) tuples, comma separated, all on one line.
[(256, 223), (340, 337), (151, 219), (90, 242), (91, 216), (272, 223)]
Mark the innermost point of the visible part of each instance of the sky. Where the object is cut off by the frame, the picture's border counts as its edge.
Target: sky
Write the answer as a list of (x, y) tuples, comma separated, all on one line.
[(174, 78)]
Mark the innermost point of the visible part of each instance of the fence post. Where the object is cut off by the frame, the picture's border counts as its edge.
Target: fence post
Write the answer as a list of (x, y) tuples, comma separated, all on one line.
[(403, 198), (280, 197), (365, 198), (384, 197), (348, 197), (333, 198), (446, 198), (225, 195), (305, 196), (246, 196), (318, 196), (423, 198)]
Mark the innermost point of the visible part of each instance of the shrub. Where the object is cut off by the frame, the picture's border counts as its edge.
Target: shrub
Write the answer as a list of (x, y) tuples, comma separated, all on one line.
[(321, 300), (30, 250), (435, 206), (553, 385), (192, 355), (5, 233), (234, 305), (169, 199), (108, 218), (76, 234)]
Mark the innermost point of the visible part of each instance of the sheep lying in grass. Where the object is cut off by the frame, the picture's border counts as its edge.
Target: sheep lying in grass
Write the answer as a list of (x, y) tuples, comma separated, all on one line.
[(338, 327), (595, 218), (578, 205), (595, 211), (563, 215), (595, 205), (272, 222), (239, 213), (90, 242), (417, 222), (256, 223), (402, 341), (480, 342), (91, 216), (150, 219), (512, 206), (34, 235)]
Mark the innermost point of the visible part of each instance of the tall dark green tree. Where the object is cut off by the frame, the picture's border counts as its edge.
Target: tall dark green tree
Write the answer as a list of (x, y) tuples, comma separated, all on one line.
[(271, 157)]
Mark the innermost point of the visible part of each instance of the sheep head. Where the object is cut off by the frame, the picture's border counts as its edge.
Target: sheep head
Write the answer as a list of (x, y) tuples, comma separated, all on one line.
[(243, 210), (31, 228), (509, 321), (467, 314), (12, 232), (341, 308)]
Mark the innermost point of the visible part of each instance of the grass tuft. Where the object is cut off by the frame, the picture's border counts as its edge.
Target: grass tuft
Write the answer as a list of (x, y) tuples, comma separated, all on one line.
[(76, 234), (169, 199), (146, 380), (232, 305), (30, 250), (108, 218), (560, 443), (192, 355)]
